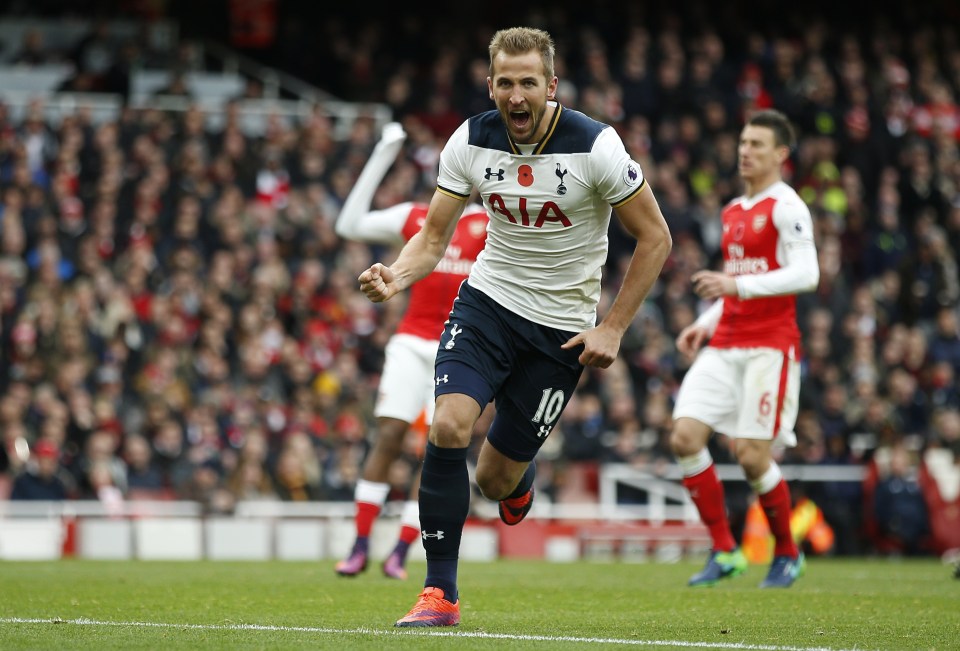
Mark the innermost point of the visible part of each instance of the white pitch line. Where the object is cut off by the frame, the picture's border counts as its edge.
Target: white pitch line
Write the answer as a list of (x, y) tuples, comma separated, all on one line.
[(739, 646)]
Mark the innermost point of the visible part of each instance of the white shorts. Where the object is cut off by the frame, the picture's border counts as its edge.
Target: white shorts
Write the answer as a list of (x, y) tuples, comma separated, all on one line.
[(407, 382), (750, 393)]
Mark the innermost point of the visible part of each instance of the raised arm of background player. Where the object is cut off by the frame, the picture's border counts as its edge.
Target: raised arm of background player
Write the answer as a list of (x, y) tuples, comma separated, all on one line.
[(356, 221), (800, 272)]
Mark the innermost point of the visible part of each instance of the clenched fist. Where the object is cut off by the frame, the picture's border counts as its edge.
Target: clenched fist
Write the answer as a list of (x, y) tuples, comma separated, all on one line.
[(377, 283)]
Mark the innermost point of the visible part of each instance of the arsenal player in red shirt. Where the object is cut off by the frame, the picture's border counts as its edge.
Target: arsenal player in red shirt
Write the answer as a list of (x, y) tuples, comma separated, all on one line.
[(406, 390), (746, 382)]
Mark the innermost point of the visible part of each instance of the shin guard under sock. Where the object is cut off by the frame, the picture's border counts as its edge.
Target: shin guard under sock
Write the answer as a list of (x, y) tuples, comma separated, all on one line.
[(444, 503)]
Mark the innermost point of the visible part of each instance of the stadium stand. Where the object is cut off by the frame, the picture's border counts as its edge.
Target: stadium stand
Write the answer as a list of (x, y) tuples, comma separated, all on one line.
[(168, 268)]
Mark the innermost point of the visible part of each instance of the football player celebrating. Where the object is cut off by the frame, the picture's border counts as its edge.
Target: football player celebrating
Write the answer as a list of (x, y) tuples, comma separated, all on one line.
[(524, 324)]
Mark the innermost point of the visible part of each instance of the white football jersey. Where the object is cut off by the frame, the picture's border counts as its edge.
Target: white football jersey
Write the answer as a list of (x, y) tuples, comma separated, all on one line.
[(549, 207)]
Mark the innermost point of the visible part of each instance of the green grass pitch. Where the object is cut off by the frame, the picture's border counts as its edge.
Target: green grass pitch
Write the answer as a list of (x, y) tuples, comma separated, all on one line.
[(838, 604)]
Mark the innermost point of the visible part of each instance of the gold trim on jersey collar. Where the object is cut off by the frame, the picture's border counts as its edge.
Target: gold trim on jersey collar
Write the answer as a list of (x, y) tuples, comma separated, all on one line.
[(546, 138)]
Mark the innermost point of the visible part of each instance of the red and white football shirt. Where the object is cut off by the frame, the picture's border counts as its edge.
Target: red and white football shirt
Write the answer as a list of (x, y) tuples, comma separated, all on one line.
[(431, 297), (768, 245)]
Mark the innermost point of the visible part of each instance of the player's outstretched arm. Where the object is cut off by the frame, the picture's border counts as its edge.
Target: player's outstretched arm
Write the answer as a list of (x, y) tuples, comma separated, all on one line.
[(419, 256), (356, 221), (641, 217)]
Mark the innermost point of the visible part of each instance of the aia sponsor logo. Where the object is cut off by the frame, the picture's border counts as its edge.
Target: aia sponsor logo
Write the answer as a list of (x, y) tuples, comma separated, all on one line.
[(522, 213)]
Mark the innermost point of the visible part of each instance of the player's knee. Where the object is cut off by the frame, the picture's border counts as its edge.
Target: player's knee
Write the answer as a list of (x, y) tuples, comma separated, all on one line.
[(688, 437), (390, 434), (753, 457), (446, 432), (493, 485), (682, 444)]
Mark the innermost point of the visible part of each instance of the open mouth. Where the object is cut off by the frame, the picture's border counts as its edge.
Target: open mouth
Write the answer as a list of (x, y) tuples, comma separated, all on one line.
[(520, 120)]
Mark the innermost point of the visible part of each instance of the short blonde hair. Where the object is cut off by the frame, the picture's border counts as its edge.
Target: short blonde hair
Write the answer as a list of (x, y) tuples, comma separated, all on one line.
[(520, 40)]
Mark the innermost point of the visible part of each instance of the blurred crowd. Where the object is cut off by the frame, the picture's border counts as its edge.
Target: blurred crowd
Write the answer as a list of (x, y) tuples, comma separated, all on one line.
[(179, 319)]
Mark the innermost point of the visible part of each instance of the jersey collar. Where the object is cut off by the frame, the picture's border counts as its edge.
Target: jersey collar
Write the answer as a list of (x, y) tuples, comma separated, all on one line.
[(539, 147)]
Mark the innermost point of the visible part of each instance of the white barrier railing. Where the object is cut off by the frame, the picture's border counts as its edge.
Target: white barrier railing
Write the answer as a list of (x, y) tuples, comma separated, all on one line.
[(254, 114), (265, 530), (666, 527), (667, 500)]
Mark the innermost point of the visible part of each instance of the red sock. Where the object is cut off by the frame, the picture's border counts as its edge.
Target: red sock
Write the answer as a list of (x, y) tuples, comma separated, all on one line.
[(408, 534), (366, 514), (706, 491), (776, 504)]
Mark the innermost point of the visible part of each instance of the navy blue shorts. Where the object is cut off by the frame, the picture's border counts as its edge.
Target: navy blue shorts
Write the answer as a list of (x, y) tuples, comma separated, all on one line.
[(489, 353)]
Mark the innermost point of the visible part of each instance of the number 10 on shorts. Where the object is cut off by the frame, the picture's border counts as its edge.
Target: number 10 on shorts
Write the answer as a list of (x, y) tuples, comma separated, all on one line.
[(551, 404)]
